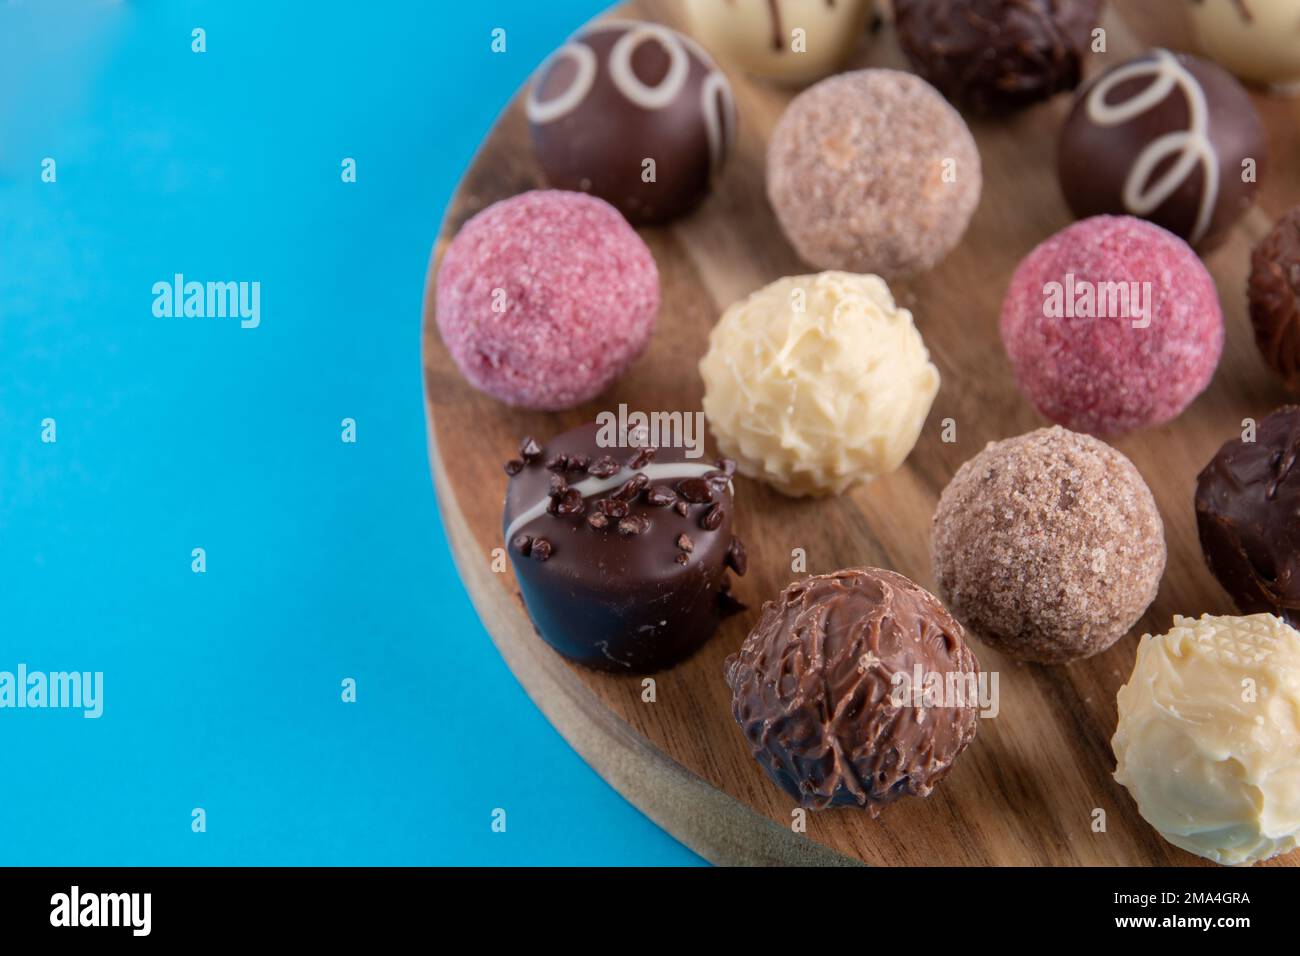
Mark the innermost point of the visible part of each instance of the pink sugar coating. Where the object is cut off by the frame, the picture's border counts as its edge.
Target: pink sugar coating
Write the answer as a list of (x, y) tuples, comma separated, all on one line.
[(1102, 375), (580, 292)]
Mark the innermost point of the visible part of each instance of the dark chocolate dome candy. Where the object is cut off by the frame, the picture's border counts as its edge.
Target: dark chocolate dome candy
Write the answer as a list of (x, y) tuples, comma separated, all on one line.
[(996, 56), (623, 93), (1247, 502), (1166, 137), (1274, 293), (817, 689), (621, 553)]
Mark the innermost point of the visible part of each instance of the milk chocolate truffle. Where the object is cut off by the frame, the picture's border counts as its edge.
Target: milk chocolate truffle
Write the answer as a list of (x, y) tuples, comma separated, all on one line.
[(1168, 137), (1274, 293), (1259, 40), (813, 383), (634, 113), (790, 41), (825, 690), (1247, 502), (1208, 741), (996, 56), (621, 549), (1048, 546), (872, 171)]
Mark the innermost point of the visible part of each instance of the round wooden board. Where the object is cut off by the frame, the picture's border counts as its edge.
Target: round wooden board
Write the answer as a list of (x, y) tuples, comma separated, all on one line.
[(1027, 790)]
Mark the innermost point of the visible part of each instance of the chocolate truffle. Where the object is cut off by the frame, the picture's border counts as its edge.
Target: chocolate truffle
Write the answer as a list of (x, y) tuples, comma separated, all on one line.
[(1247, 500), (790, 41), (996, 56), (816, 382), (1112, 324), (825, 689), (1048, 546), (1214, 769), (545, 298), (872, 171), (1259, 40), (634, 113), (621, 548), (1274, 293), (1168, 137)]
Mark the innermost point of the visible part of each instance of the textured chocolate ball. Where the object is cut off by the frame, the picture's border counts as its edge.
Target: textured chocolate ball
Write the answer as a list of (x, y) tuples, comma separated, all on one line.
[(1247, 500), (872, 171), (996, 56), (824, 689), (1048, 546), (621, 548), (1168, 137), (1274, 293), (634, 113)]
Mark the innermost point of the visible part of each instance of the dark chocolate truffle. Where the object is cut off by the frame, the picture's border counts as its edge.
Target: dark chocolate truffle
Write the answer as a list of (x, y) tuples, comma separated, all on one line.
[(621, 549), (1247, 500), (996, 56), (634, 113), (832, 689), (1168, 137), (1274, 292)]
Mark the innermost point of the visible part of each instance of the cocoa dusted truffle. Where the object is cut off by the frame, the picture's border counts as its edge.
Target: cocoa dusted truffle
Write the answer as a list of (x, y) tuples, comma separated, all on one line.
[(634, 113), (621, 549), (997, 56), (873, 171), (1168, 137), (825, 689), (1247, 500), (1274, 292), (1048, 546)]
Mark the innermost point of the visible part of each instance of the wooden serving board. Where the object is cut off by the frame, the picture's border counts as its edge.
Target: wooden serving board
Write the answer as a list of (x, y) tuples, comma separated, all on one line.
[(1026, 790)]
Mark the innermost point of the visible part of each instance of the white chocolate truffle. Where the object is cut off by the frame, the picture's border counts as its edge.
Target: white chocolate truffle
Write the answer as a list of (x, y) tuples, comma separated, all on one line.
[(1259, 40), (790, 41), (816, 382), (1208, 741)]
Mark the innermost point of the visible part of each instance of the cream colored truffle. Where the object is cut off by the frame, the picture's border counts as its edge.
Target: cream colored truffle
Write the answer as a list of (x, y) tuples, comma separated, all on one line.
[(1208, 741), (1259, 40), (790, 41), (816, 382)]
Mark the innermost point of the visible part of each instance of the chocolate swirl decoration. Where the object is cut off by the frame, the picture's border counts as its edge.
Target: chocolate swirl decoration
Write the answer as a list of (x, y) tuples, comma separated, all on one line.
[(1145, 192), (715, 102)]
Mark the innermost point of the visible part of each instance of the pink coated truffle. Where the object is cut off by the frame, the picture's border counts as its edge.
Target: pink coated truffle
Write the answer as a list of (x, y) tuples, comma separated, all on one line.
[(545, 298), (1112, 324)]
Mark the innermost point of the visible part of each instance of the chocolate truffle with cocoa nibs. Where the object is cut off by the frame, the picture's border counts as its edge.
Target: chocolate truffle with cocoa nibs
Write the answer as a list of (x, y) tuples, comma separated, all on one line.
[(1274, 293), (624, 582)]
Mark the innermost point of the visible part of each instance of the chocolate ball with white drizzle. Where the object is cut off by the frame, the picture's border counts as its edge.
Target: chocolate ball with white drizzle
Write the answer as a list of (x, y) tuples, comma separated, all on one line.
[(621, 553), (1168, 137), (635, 113)]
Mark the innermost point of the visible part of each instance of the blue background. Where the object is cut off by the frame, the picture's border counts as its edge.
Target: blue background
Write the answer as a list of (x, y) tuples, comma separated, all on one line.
[(325, 560)]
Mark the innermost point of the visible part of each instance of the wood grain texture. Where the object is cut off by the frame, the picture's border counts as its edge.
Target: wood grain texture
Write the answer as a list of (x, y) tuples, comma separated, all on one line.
[(1026, 790)]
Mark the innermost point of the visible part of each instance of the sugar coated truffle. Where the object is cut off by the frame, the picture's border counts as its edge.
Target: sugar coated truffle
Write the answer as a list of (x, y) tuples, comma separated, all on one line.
[(1208, 741), (1112, 324), (854, 689), (621, 548), (872, 171), (1274, 294), (815, 382), (1259, 40), (1247, 503), (635, 113), (790, 41), (997, 55), (545, 298), (1048, 546), (1168, 137)]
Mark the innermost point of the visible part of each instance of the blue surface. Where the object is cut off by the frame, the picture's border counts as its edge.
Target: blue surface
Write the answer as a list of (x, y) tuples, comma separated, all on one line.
[(325, 560)]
